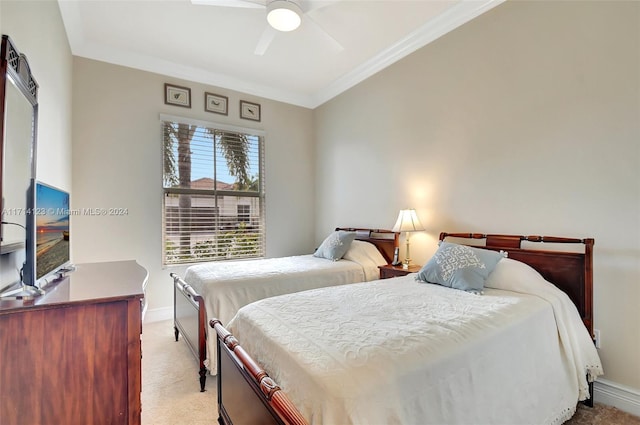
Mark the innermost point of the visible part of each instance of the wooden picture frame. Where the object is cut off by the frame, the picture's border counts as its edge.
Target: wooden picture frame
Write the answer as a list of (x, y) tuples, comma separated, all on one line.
[(177, 95), (249, 111), (216, 103)]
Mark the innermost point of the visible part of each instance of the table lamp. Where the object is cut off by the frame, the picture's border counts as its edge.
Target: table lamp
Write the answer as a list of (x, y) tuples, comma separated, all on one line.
[(407, 222)]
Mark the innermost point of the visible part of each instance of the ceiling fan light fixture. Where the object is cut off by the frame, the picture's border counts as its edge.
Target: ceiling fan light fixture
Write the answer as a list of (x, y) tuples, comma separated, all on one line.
[(284, 15)]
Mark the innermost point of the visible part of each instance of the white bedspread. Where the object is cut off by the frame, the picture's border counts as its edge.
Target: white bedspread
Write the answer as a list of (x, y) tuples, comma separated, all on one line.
[(397, 351), (227, 286)]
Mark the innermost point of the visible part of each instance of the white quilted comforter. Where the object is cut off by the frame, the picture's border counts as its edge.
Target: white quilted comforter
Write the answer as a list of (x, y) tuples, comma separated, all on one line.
[(397, 351), (227, 286)]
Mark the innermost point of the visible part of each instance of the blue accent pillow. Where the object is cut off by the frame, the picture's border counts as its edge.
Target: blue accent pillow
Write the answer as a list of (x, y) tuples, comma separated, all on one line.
[(460, 267), (335, 245)]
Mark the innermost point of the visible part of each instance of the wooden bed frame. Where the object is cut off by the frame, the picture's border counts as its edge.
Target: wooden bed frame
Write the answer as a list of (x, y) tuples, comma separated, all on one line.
[(246, 393), (189, 315)]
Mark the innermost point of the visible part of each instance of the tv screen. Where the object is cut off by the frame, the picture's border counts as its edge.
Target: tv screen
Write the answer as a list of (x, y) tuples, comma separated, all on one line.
[(51, 230)]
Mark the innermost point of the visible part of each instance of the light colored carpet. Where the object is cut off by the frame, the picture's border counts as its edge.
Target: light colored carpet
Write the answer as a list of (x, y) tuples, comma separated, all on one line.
[(170, 386), (171, 390), (602, 415)]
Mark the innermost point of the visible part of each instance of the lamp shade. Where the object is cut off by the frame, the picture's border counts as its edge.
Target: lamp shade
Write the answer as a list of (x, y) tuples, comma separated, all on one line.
[(284, 15), (407, 222)]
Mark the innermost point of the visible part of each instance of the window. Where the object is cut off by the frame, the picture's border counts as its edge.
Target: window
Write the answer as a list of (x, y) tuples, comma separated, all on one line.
[(244, 213), (213, 192)]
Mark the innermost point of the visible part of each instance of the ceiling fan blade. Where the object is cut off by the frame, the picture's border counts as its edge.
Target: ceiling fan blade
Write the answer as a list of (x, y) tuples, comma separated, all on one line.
[(249, 4), (335, 44), (309, 5), (265, 40)]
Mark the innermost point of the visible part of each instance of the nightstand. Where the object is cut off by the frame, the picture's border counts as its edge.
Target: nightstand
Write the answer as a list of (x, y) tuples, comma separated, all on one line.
[(388, 270)]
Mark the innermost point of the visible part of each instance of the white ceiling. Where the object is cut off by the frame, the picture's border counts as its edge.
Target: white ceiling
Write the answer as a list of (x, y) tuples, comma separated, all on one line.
[(337, 45)]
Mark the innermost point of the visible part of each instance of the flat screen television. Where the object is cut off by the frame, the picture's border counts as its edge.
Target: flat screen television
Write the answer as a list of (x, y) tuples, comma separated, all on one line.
[(47, 247)]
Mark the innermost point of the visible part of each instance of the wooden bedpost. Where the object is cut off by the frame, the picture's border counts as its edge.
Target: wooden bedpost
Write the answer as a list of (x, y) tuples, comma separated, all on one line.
[(588, 284), (279, 410)]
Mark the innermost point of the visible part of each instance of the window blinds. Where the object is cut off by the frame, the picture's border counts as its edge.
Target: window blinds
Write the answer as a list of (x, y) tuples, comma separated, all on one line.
[(213, 193)]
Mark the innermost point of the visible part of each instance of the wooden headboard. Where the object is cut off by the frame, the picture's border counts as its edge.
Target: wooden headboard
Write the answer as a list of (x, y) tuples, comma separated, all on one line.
[(385, 240), (571, 271)]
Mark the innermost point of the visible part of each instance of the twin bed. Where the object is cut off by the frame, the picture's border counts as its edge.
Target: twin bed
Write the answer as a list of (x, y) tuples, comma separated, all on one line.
[(218, 290), (403, 351)]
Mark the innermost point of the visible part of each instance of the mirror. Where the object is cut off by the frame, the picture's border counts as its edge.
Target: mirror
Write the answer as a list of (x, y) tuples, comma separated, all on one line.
[(18, 97), (18, 116)]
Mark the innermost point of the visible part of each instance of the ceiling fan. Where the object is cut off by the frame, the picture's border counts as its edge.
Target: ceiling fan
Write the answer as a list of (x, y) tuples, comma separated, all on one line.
[(282, 16)]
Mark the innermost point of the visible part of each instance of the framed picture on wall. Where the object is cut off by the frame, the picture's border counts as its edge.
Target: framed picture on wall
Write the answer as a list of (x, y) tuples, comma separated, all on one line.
[(216, 103), (249, 111), (177, 95)]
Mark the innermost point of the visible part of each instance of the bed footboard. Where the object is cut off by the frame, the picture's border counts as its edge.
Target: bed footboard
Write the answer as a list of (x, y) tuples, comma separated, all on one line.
[(189, 319), (246, 394)]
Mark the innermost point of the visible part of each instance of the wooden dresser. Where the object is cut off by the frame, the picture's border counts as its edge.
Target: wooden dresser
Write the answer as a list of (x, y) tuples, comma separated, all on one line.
[(73, 355)]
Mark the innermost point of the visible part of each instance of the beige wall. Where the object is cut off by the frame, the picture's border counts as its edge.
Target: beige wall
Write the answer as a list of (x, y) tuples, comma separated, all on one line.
[(117, 162), (37, 30), (525, 120)]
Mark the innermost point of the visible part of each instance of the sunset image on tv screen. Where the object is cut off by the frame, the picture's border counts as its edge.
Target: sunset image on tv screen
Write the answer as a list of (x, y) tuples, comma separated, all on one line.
[(52, 229)]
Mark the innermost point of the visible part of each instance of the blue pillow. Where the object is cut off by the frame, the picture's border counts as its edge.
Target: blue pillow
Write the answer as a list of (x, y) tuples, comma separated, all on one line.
[(460, 267), (335, 245)]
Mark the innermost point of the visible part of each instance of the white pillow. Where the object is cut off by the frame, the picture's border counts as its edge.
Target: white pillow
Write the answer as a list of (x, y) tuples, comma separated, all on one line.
[(364, 253), (513, 275)]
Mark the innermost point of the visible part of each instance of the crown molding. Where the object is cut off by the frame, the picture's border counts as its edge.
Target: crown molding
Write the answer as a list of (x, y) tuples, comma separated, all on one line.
[(463, 12)]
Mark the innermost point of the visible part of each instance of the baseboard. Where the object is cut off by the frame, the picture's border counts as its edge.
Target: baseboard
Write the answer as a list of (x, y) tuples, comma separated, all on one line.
[(158, 314), (617, 395)]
